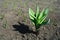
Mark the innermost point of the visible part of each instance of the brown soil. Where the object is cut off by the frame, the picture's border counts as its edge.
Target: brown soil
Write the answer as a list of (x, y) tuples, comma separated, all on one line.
[(21, 28)]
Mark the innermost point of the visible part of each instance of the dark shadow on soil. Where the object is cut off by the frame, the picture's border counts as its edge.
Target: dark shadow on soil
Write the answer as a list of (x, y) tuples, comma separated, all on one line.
[(22, 28)]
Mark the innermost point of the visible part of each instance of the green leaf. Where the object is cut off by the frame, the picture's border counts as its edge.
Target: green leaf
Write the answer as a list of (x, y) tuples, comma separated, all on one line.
[(33, 21), (41, 20), (43, 16), (46, 11), (46, 22), (31, 13), (37, 11)]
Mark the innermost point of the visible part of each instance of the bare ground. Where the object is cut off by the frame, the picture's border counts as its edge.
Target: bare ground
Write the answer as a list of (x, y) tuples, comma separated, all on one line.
[(21, 28)]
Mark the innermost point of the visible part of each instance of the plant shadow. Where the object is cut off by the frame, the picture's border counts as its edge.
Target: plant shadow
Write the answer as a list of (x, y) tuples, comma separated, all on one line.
[(22, 28)]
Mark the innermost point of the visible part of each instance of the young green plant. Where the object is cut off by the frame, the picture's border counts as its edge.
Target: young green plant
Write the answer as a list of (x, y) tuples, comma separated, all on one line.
[(14, 6), (25, 4), (5, 4), (38, 18), (2, 17), (5, 23), (18, 13), (3, 20)]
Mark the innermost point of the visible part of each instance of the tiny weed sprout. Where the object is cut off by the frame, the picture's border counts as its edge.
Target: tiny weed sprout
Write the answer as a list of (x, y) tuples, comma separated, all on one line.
[(5, 4), (4, 20), (5, 23), (14, 6), (2, 16), (38, 18), (25, 4), (18, 13)]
